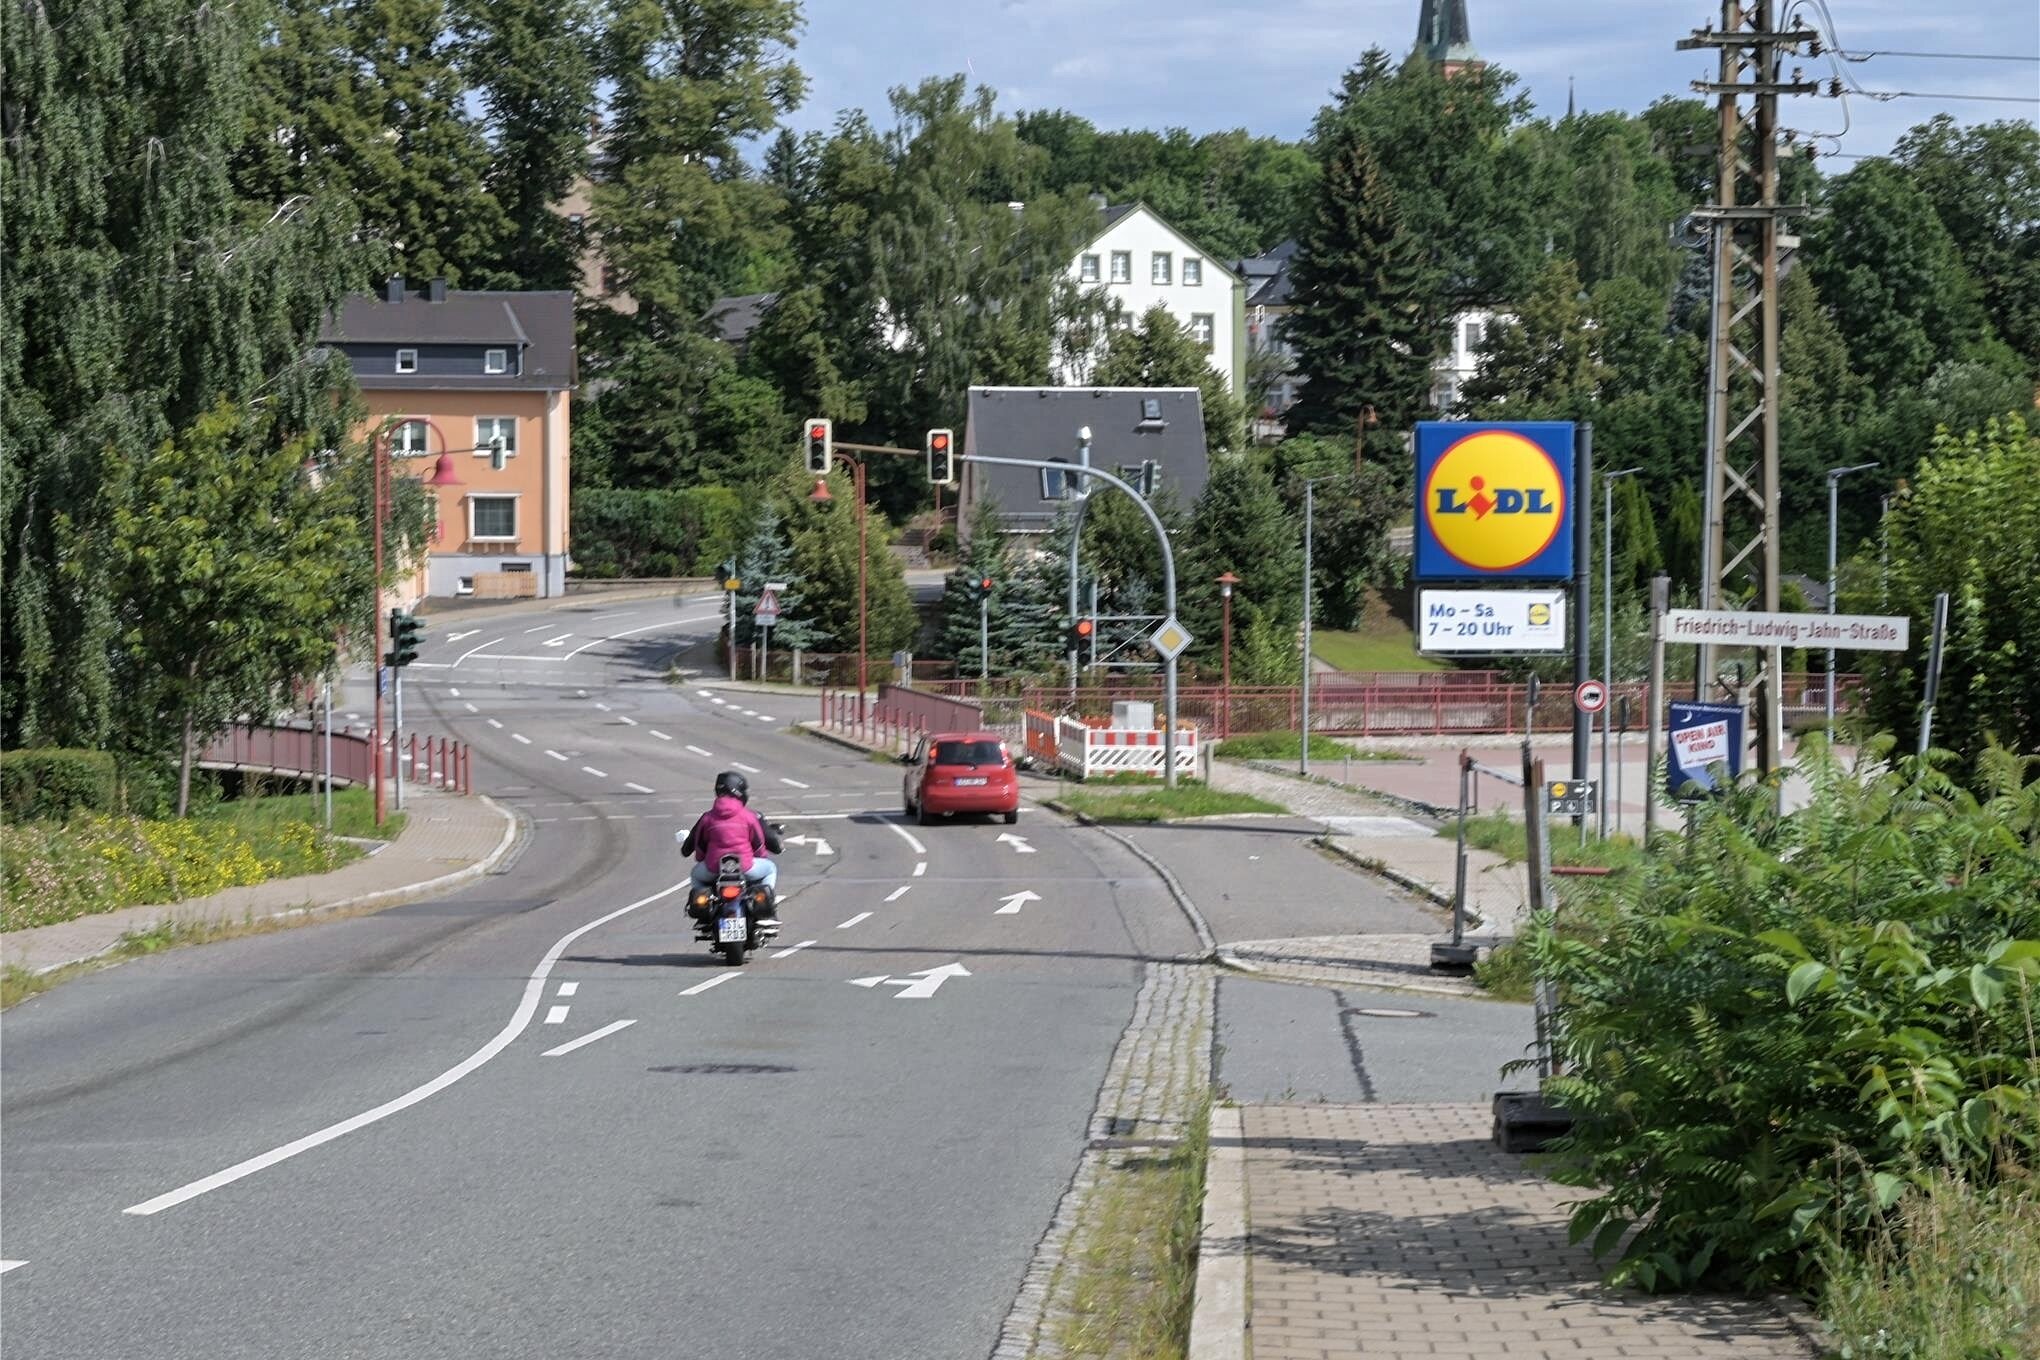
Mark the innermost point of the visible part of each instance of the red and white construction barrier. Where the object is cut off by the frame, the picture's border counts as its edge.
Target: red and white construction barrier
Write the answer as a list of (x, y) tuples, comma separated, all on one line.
[(1085, 750)]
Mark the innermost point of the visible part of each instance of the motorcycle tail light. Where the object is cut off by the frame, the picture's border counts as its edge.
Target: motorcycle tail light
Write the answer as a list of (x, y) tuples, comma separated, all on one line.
[(730, 893)]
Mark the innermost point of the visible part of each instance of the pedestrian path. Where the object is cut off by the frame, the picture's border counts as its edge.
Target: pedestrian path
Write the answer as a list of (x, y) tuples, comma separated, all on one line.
[(447, 839), (1389, 1232)]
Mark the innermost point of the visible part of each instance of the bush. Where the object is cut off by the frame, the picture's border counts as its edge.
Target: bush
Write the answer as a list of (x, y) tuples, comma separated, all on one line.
[(655, 533), (53, 783), (1780, 1025), (1282, 746)]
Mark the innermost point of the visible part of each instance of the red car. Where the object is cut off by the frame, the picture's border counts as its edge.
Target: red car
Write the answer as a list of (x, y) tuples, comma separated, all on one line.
[(952, 772)]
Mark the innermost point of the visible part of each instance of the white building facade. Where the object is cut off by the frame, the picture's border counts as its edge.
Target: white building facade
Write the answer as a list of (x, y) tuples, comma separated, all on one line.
[(1136, 262)]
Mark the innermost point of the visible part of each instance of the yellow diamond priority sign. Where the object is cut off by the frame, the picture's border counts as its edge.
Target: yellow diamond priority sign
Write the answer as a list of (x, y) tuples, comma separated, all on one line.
[(1170, 639)]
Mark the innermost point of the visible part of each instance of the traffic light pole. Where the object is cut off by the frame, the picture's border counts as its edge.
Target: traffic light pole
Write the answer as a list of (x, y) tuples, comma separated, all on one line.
[(397, 770), (1168, 582), (984, 638)]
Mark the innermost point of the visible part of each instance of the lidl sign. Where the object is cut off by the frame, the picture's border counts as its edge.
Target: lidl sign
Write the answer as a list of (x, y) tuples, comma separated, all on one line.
[(1494, 502)]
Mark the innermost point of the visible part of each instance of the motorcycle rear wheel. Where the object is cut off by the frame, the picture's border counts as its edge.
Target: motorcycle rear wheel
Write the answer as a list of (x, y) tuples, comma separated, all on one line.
[(733, 954)]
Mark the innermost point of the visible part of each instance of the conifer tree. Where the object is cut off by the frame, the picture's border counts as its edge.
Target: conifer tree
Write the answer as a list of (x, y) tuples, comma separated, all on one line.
[(1159, 351), (767, 556), (1240, 525)]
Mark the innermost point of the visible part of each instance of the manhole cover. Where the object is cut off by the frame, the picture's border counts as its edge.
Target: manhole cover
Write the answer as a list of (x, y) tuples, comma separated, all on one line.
[(722, 1069), (1387, 1013)]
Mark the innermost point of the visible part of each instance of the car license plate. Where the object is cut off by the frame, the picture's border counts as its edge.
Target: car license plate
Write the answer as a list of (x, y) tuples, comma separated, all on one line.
[(732, 930), (970, 783)]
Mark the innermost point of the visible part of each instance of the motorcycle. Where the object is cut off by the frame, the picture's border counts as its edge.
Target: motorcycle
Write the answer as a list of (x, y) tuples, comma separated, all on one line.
[(735, 915)]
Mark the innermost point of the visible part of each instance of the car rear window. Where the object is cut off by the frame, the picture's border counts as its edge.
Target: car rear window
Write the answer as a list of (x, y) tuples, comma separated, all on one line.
[(968, 753)]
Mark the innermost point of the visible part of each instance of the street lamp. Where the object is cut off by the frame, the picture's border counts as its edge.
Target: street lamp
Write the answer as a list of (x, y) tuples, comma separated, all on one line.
[(1834, 481), (1225, 584), (1608, 481), (820, 496), (443, 474)]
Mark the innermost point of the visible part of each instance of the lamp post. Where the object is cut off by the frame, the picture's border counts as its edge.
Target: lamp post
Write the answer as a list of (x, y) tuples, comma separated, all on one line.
[(1608, 481), (820, 496), (1303, 762), (1225, 584), (1834, 481), (443, 474)]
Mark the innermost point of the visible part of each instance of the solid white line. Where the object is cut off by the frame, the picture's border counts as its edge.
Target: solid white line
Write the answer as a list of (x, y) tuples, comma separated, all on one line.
[(698, 751), (747, 769), (570, 1045), (627, 722), (557, 1015), (472, 650), (629, 631), (590, 769), (471, 708), (568, 988), (792, 949), (657, 733), (6, 1266), (860, 916), (701, 987), (542, 628), (919, 848), (520, 737), (527, 1006), (640, 788), (493, 723), (554, 754), (616, 614), (920, 867), (898, 893), (792, 783)]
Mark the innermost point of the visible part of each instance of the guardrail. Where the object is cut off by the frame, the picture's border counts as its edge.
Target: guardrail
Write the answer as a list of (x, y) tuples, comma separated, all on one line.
[(299, 753), (897, 714)]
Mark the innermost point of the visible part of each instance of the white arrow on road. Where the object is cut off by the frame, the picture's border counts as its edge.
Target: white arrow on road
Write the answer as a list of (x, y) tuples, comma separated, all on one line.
[(1019, 843), (822, 846), (929, 980), (456, 637), (1015, 902)]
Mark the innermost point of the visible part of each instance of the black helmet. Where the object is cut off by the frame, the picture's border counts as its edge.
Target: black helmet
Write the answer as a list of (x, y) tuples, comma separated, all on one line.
[(731, 784)]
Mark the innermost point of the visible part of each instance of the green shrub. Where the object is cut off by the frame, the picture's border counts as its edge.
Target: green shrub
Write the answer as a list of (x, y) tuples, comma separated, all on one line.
[(53, 782), (1282, 746), (1780, 1024), (682, 532)]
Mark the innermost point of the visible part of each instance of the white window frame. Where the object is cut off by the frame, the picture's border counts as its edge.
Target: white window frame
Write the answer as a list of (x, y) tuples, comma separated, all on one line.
[(1193, 271), (495, 424), (1122, 258), (400, 441), (407, 361), (1161, 268), (1087, 268), (495, 361), (511, 496), (1210, 337)]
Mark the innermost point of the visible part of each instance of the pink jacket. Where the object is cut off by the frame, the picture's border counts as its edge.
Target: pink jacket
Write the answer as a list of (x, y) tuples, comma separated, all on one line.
[(727, 828)]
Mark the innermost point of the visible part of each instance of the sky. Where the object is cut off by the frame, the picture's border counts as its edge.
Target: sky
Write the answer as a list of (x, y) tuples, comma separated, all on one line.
[(1211, 65)]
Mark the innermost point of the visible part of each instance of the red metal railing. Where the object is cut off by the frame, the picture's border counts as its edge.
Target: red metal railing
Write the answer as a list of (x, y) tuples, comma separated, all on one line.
[(298, 751)]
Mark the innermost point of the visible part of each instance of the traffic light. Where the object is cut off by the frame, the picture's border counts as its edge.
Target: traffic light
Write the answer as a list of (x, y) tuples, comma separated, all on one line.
[(821, 445), (982, 588), (1150, 478), (1080, 634), (729, 574), (407, 631), (941, 458)]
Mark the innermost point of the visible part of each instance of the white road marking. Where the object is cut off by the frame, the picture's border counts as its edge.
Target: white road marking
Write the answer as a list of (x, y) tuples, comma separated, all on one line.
[(584, 819), (919, 848), (715, 981), (472, 651), (527, 1006), (1019, 843), (657, 733), (707, 618), (747, 769), (750, 712), (766, 717), (719, 703), (916, 986), (568, 988), (542, 628), (554, 754), (920, 867), (706, 693), (493, 723), (900, 892), (556, 641), (6, 1266), (698, 751), (627, 722), (1015, 902), (451, 689), (639, 788), (520, 737), (616, 614), (570, 1045), (456, 637), (354, 716), (471, 708), (604, 707), (557, 1015), (792, 783), (792, 949), (590, 769), (860, 916)]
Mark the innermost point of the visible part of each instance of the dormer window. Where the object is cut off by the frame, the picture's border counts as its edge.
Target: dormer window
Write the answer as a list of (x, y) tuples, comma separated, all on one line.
[(407, 361), (496, 361)]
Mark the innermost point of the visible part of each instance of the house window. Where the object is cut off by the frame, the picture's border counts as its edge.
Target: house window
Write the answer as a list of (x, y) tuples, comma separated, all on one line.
[(495, 361), (1122, 322), (407, 361), (492, 518), (1476, 336), (1122, 266), (1193, 272), (490, 428), (1087, 269), (1158, 267), (409, 440), (1201, 327), (608, 279)]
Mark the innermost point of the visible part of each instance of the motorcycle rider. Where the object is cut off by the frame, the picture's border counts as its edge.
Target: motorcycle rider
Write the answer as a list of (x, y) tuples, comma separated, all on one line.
[(729, 827)]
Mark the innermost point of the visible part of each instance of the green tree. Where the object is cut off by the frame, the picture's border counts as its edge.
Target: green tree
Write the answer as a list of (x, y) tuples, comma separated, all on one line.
[(1984, 184), (768, 556), (1241, 525), (1970, 526), (1358, 327), (1022, 618), (1543, 364), (1159, 351), (825, 564)]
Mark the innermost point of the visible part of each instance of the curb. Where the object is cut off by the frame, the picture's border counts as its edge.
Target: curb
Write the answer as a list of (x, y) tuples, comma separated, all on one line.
[(822, 734), (1272, 970), (1219, 1320), (1161, 870), (1327, 843), (1415, 806)]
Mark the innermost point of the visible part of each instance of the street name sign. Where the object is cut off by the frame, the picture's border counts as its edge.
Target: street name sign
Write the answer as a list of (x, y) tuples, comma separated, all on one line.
[(1844, 632), (1474, 621)]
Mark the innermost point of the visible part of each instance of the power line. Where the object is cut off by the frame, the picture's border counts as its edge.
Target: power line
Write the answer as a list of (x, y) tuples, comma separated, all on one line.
[(1935, 56), (1882, 95)]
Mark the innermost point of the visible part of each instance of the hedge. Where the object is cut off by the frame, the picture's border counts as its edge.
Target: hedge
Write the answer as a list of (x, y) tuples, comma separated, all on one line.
[(655, 533), (53, 782)]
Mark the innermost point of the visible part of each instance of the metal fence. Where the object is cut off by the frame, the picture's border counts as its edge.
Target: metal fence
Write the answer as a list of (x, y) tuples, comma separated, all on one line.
[(298, 753)]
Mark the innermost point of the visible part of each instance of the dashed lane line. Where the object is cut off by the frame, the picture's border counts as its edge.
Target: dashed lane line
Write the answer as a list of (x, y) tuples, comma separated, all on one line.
[(586, 1039), (639, 788), (792, 783), (604, 707), (554, 754), (568, 989), (657, 733), (627, 722), (557, 1015), (698, 751), (791, 950), (493, 723), (747, 769), (471, 708), (920, 867), (599, 774), (900, 892), (860, 916), (521, 738), (716, 981)]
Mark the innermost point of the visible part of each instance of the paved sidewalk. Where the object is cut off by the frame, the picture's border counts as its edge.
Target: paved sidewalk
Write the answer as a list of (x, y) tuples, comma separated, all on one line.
[(447, 840), (1389, 1232)]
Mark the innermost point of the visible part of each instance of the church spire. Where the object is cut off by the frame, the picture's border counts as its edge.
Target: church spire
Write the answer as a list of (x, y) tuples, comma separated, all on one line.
[(1445, 36)]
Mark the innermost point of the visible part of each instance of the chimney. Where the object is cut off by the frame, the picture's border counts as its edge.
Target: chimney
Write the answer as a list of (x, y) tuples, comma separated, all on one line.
[(436, 290), (393, 288)]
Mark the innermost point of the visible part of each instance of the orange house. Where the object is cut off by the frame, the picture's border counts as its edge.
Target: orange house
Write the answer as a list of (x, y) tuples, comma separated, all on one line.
[(486, 377)]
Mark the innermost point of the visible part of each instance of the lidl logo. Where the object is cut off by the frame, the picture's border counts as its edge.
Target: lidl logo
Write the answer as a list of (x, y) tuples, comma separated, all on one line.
[(1494, 501), (1540, 616)]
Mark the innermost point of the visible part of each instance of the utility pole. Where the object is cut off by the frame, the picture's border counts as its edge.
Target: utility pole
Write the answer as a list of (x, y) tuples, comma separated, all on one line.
[(1749, 245)]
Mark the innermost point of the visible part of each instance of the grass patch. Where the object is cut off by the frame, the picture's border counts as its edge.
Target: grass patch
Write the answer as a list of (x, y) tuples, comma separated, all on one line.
[(1289, 746), (1158, 804), (1134, 1277), (1955, 1276), (353, 814), (1386, 647)]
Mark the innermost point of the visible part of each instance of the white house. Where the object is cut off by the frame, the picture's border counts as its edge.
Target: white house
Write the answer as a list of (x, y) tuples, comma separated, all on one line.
[(1137, 260), (1461, 358)]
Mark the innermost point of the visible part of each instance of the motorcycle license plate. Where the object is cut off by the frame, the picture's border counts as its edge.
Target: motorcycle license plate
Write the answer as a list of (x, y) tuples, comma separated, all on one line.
[(970, 783), (732, 930)]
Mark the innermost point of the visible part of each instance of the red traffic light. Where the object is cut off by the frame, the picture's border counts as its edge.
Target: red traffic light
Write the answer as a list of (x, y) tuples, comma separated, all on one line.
[(985, 584), (818, 432), (941, 440), (1085, 627)]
